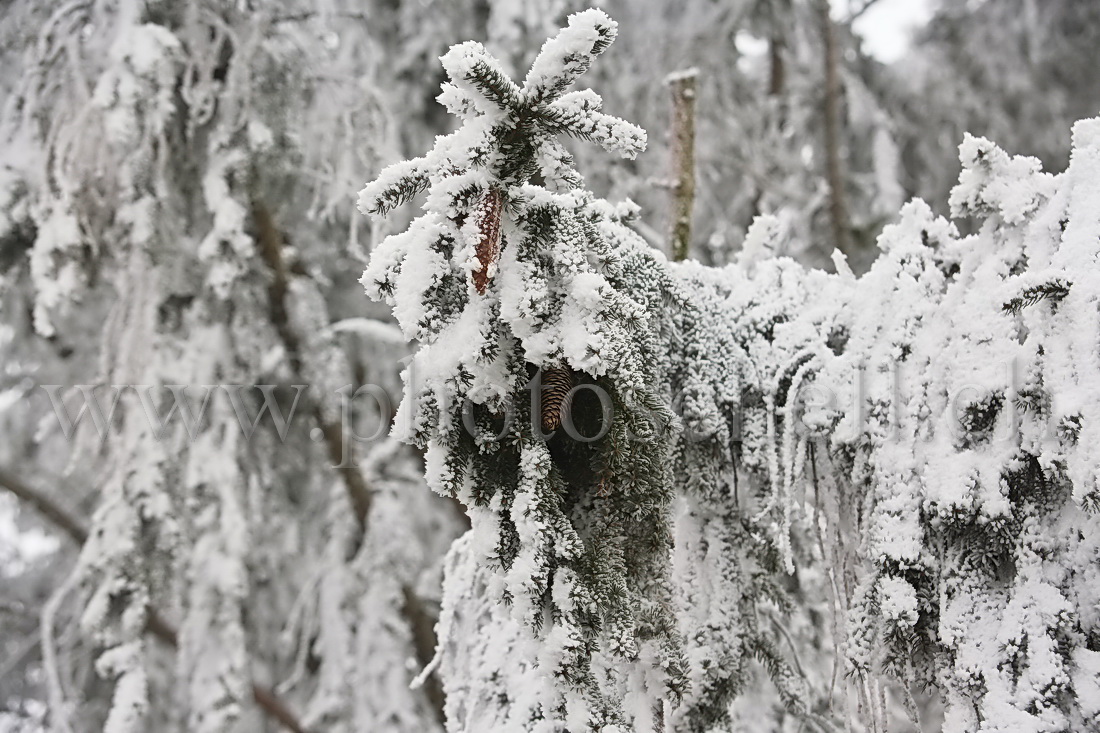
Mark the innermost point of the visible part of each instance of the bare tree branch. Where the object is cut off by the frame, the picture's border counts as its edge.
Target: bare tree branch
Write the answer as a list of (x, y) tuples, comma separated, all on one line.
[(270, 242), (682, 85), (421, 624), (45, 506), (855, 14)]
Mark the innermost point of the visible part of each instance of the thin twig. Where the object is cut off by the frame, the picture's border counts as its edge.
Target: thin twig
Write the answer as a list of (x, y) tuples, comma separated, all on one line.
[(855, 14)]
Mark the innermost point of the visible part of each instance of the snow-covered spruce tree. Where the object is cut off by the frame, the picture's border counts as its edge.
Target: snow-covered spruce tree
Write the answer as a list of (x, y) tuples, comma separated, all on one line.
[(517, 280), (862, 446), (920, 438), (522, 286)]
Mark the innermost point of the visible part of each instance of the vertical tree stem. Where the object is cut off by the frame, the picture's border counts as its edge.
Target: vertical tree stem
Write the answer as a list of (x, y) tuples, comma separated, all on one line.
[(834, 166), (777, 71), (682, 85)]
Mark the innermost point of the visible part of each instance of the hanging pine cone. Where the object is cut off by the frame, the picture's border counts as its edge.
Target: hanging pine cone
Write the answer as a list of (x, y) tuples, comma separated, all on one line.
[(556, 385), (489, 213)]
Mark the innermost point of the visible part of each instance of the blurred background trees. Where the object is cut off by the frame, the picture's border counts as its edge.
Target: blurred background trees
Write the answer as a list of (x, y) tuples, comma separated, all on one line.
[(177, 186)]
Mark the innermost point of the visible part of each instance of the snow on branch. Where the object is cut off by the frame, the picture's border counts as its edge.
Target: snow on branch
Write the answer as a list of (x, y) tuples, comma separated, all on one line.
[(396, 185), (473, 70), (940, 501), (155, 623), (568, 55), (577, 114)]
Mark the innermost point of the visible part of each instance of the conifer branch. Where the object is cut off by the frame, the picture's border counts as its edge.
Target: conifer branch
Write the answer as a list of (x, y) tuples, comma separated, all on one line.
[(578, 114), (471, 67), (1054, 291), (155, 624), (402, 182), (566, 245), (562, 59)]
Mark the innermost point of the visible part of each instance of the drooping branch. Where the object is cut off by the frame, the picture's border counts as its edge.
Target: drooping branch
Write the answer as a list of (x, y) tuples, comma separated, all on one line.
[(44, 505), (422, 626), (155, 624), (270, 242)]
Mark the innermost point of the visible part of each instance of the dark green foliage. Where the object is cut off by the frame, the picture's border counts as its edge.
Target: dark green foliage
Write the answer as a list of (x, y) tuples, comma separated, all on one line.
[(1054, 291), (580, 515)]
